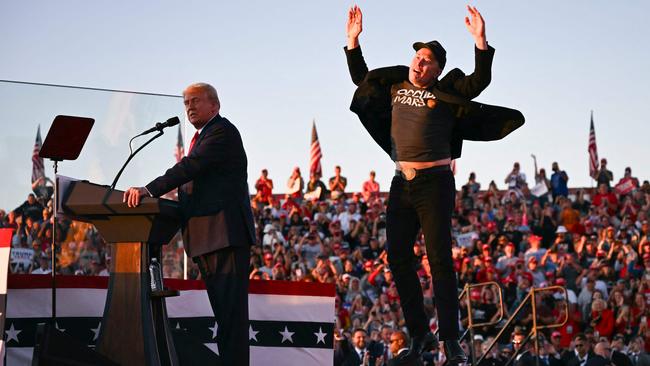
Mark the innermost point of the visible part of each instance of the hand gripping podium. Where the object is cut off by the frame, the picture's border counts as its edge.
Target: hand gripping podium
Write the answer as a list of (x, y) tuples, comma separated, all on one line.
[(134, 329)]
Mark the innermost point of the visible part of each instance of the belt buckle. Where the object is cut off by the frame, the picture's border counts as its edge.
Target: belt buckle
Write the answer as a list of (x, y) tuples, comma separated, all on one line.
[(408, 173)]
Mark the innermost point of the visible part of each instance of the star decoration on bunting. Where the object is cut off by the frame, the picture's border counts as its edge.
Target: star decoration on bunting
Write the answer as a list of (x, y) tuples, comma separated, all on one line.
[(252, 334), (214, 330), (286, 335), (96, 331), (320, 336), (12, 333)]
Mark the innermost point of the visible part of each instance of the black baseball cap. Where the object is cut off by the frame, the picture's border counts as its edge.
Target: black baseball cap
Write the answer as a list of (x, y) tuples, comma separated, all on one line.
[(436, 48)]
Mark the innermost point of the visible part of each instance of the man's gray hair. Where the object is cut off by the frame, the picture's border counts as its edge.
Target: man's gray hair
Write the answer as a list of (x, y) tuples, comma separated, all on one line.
[(209, 89)]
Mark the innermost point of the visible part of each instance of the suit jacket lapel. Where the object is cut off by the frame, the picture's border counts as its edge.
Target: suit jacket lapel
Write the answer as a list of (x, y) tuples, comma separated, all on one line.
[(209, 125)]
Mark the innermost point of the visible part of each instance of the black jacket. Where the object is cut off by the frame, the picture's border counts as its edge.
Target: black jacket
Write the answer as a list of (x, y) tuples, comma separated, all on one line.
[(620, 359), (569, 358), (474, 121), (530, 360), (346, 355), (213, 191), (598, 361)]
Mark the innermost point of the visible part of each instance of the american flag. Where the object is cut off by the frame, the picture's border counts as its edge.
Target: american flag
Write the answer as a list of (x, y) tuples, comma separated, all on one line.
[(315, 154), (593, 150), (38, 169), (179, 150)]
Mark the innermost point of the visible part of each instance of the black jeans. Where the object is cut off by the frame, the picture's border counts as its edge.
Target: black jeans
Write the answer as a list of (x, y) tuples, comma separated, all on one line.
[(425, 202)]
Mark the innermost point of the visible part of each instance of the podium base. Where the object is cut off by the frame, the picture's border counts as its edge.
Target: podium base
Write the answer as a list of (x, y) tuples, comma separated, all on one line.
[(55, 348)]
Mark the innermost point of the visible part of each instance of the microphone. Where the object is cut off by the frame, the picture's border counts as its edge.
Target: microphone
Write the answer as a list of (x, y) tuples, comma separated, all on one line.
[(159, 126)]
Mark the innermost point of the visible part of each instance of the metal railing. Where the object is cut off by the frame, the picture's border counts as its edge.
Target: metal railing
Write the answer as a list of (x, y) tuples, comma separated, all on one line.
[(470, 319), (468, 303), (533, 333)]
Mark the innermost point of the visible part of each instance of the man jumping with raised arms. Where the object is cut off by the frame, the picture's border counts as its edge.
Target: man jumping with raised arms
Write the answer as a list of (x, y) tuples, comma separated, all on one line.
[(421, 121)]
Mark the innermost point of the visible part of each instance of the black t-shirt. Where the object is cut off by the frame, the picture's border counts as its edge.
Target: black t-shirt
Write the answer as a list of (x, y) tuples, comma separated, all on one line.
[(343, 180), (421, 125)]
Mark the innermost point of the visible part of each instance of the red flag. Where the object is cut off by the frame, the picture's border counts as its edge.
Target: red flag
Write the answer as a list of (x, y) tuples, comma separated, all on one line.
[(179, 150), (315, 154), (593, 150), (38, 169)]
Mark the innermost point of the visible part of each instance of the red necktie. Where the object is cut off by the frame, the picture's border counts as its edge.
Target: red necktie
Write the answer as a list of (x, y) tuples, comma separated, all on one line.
[(196, 135)]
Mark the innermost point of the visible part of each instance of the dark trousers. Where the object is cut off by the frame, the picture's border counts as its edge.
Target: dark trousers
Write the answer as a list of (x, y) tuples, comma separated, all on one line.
[(425, 202), (225, 273)]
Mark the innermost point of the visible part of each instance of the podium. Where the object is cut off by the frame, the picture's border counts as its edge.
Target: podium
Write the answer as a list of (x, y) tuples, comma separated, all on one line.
[(134, 329)]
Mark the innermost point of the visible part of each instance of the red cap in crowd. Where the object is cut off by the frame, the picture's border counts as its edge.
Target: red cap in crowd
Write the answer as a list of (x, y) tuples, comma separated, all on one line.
[(491, 226), (486, 246), (550, 274), (268, 256), (368, 264), (528, 276), (475, 295), (560, 281)]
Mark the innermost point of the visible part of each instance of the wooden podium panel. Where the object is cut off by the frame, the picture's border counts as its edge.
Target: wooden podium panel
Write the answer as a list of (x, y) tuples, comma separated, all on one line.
[(134, 329), (122, 337)]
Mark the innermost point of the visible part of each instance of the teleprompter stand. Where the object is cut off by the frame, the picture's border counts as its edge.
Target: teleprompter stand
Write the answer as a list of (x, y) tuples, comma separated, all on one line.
[(64, 141)]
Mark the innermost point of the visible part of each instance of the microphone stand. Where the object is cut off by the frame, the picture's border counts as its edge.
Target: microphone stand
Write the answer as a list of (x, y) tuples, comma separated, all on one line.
[(160, 133)]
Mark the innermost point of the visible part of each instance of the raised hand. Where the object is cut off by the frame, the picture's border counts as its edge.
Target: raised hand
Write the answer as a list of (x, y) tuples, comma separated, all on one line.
[(476, 27), (354, 26)]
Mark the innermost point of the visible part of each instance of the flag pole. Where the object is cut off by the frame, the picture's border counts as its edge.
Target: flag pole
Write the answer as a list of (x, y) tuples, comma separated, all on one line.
[(55, 197), (592, 121), (184, 264)]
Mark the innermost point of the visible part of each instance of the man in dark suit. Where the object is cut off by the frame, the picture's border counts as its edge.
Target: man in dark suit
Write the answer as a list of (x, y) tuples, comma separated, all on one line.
[(545, 358), (399, 350), (419, 121), (602, 355), (637, 352), (218, 227), (353, 353), (619, 358), (581, 352)]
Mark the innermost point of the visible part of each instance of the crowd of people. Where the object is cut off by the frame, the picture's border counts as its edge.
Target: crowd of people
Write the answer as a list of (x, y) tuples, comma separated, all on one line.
[(592, 242)]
